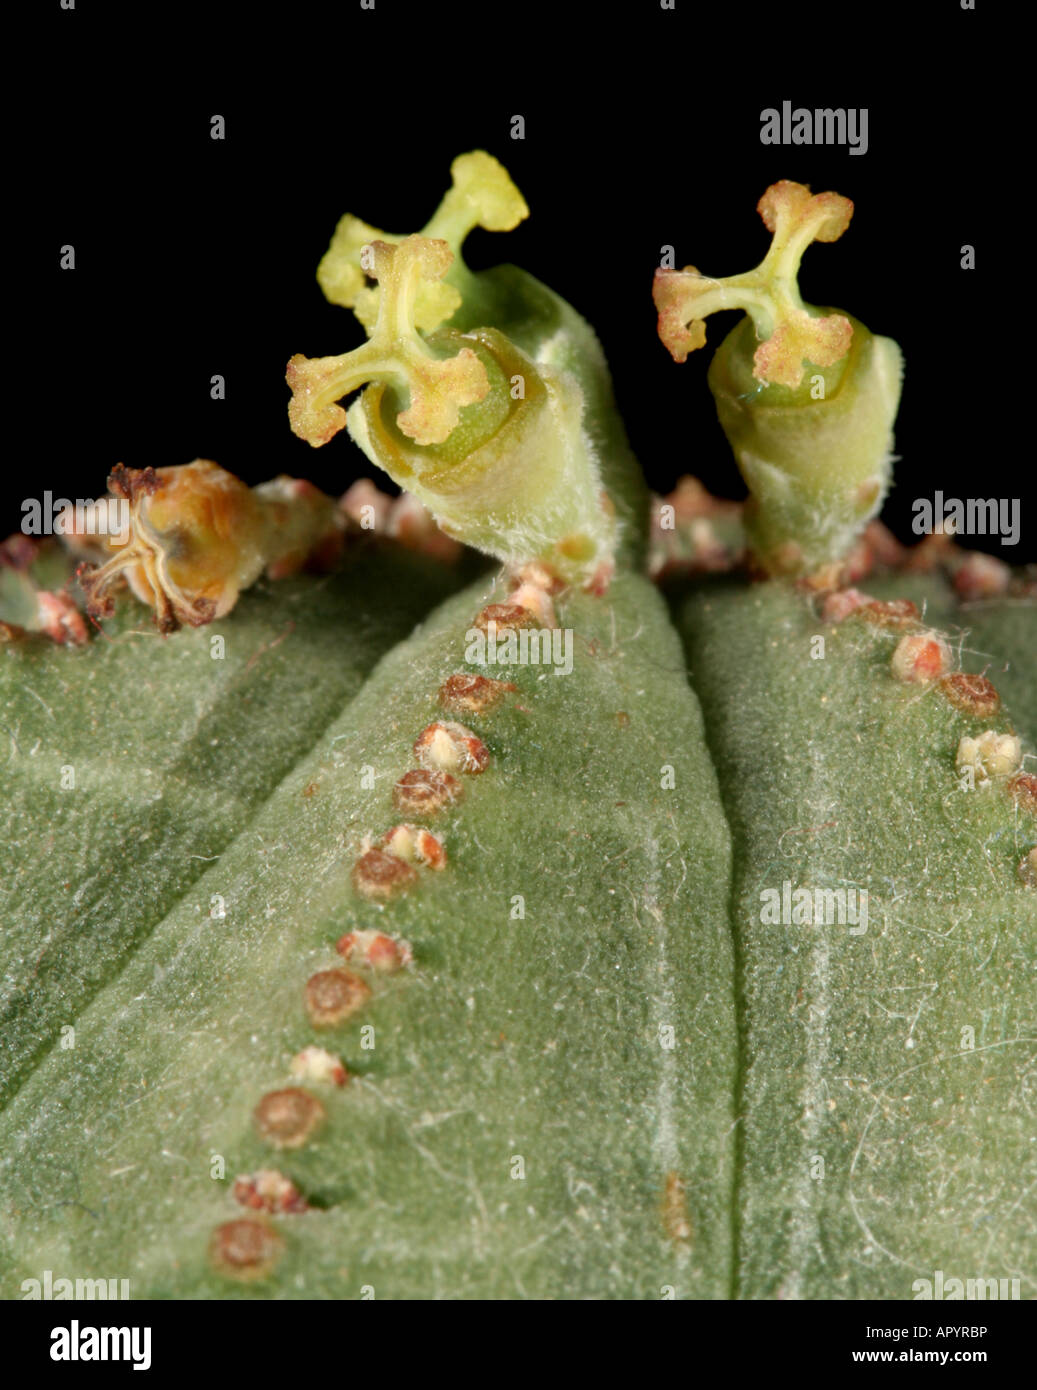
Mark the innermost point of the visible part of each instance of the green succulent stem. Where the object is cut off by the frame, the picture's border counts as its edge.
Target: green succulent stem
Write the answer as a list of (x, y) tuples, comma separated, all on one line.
[(885, 1042)]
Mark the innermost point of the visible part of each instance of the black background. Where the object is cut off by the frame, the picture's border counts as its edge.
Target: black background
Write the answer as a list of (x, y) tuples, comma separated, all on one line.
[(250, 1343), (197, 257)]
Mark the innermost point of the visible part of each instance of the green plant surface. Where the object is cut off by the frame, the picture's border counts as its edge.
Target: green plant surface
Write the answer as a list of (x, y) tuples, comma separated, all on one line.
[(540, 1038), (173, 746), (995, 636), (549, 329), (855, 1048)]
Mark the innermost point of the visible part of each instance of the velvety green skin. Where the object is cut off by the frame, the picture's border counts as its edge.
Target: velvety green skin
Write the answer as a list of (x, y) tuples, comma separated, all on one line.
[(173, 752), (817, 470), (995, 636), (530, 314), (545, 1038), (835, 775), (540, 1038)]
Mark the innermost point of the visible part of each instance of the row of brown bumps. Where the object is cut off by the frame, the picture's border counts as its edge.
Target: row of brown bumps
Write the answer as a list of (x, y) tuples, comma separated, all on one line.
[(248, 1248)]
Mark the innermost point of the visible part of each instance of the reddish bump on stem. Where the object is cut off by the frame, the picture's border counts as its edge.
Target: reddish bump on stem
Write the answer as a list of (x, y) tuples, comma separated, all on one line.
[(366, 505), (19, 551), (451, 748), (403, 518), (245, 1249), (464, 694), (286, 1119), (317, 1064), (971, 694), (306, 527), (1023, 791), (840, 605), (269, 1190), (415, 528), (981, 576), (536, 599), (894, 612), (414, 845), (426, 792), (508, 617), (60, 619), (379, 876), (932, 553), (921, 657), (375, 949), (885, 548), (598, 583), (540, 574), (836, 575), (332, 996)]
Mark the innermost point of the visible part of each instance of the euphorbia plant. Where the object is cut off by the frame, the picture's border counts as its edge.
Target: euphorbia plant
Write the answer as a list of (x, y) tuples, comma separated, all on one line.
[(341, 960)]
